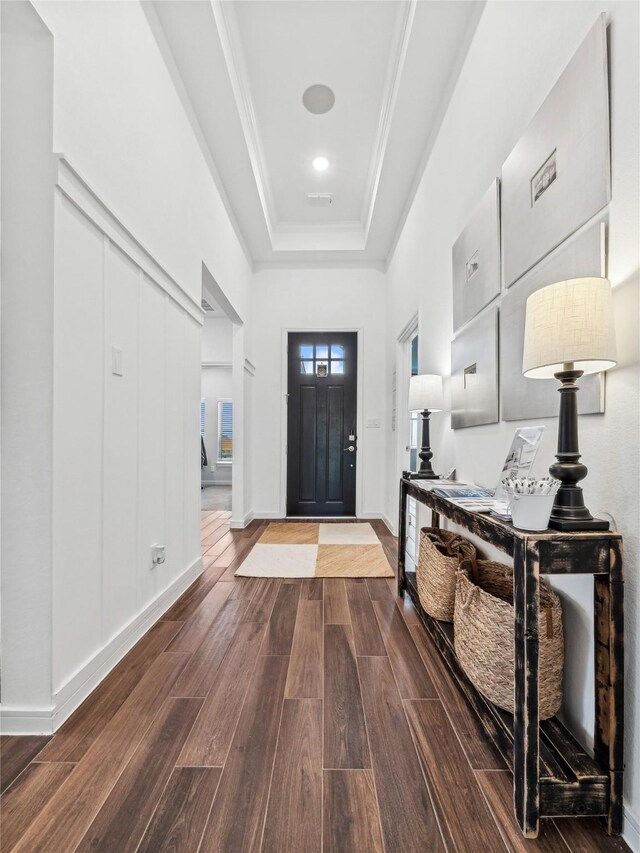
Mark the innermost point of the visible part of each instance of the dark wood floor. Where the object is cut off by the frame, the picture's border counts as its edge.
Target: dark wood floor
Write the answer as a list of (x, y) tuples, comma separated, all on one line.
[(269, 715)]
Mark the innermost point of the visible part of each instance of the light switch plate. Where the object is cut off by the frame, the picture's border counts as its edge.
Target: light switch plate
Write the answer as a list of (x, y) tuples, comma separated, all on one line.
[(117, 365)]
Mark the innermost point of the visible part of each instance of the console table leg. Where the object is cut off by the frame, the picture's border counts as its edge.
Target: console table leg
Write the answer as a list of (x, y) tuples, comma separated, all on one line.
[(526, 736), (402, 535), (609, 668)]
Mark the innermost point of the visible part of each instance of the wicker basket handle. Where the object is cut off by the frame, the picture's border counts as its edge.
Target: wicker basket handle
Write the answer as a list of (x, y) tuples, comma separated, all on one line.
[(472, 564), (465, 602)]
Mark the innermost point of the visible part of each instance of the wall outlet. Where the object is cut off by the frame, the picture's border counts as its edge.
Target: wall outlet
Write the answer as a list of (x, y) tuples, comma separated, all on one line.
[(157, 555)]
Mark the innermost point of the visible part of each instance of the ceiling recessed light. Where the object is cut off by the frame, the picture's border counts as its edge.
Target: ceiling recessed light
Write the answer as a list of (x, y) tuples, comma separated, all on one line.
[(320, 164), (318, 99)]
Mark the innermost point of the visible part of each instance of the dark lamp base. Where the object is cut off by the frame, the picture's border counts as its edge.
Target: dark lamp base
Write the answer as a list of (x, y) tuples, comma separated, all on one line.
[(424, 475), (569, 524)]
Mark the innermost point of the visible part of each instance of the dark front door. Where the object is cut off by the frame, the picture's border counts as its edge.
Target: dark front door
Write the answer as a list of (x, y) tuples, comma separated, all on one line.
[(321, 413)]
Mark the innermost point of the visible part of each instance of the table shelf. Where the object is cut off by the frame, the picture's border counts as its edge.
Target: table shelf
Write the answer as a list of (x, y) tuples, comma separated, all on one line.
[(553, 773)]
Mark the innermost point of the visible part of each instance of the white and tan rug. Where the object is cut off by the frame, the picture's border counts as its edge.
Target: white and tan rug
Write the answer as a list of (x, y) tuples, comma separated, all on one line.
[(308, 550)]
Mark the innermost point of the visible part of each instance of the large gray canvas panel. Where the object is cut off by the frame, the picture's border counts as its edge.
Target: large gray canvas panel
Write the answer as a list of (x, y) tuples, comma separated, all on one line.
[(474, 373), (558, 175), (476, 259), (524, 398)]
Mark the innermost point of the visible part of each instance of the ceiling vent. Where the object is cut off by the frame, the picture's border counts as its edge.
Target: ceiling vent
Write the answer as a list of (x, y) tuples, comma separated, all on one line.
[(207, 307), (319, 199)]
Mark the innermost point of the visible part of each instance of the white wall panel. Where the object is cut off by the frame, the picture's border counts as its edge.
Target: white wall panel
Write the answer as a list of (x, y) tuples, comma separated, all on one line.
[(120, 460), (78, 434), (151, 439), (174, 448)]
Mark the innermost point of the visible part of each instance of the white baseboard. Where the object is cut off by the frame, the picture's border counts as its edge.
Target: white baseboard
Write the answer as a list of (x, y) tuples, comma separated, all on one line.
[(392, 525), (26, 721), (45, 721), (631, 829), (266, 514), (241, 523)]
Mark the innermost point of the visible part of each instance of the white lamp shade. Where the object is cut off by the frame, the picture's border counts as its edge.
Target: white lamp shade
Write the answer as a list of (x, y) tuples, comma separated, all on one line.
[(425, 392), (570, 322)]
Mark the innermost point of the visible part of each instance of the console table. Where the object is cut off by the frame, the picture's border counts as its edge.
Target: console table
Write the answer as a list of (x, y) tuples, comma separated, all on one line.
[(552, 773)]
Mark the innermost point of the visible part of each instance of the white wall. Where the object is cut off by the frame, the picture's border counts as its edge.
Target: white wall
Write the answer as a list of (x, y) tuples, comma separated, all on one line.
[(517, 54), (119, 120), (300, 299), (27, 350), (136, 215), (217, 384)]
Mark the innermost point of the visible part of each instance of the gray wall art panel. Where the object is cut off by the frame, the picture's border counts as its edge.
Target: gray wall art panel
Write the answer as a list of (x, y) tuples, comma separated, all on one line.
[(522, 398), (558, 175), (476, 259), (474, 373)]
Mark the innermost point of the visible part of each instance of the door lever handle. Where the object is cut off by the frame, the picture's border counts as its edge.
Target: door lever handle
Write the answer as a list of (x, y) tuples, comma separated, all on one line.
[(351, 448)]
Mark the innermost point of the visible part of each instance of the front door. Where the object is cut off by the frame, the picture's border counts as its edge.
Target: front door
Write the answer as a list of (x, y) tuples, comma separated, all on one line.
[(321, 429)]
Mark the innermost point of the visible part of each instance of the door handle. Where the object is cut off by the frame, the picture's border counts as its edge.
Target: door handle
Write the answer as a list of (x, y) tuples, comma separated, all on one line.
[(351, 448)]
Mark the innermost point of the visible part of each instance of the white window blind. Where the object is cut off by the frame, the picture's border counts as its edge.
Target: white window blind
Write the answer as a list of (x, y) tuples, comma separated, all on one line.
[(203, 408), (225, 431)]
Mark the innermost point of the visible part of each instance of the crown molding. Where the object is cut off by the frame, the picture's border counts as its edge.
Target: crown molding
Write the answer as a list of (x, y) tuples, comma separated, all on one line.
[(445, 100), (227, 25), (395, 68), (266, 266), (178, 83)]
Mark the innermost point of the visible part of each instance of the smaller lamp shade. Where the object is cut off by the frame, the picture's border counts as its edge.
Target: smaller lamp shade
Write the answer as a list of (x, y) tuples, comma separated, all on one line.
[(570, 322), (425, 392)]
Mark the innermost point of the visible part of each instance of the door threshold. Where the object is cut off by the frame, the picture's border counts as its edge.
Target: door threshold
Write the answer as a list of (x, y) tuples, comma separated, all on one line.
[(321, 518)]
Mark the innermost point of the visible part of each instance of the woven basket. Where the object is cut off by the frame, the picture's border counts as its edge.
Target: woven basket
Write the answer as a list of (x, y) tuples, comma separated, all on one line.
[(484, 636), (441, 552)]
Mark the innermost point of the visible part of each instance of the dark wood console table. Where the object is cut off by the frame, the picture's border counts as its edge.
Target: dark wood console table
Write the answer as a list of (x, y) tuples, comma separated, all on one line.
[(553, 774)]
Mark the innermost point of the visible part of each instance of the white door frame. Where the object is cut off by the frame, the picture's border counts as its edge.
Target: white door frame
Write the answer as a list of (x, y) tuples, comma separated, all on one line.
[(283, 411), (403, 374)]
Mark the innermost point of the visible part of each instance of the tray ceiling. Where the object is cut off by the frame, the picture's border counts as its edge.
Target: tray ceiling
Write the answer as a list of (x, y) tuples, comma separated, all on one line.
[(241, 69)]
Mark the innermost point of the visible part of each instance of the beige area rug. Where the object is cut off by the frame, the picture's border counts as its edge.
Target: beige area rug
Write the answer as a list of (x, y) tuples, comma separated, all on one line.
[(306, 550)]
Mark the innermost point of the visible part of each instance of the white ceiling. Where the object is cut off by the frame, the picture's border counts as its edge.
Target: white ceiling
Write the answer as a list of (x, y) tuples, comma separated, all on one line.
[(241, 69)]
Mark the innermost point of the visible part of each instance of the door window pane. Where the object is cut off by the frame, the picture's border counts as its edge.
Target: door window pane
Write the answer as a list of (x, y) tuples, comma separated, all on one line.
[(322, 351), (306, 351), (337, 351), (337, 366), (306, 367)]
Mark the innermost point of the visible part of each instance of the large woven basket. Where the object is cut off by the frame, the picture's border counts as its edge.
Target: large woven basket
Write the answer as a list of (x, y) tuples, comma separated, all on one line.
[(484, 636), (441, 552)]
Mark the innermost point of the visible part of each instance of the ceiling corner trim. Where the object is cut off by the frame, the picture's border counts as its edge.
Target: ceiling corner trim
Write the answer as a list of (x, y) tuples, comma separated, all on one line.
[(392, 84), (227, 26)]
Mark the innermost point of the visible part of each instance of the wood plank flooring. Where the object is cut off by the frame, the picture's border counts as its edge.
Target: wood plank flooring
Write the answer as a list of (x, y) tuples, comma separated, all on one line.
[(273, 716)]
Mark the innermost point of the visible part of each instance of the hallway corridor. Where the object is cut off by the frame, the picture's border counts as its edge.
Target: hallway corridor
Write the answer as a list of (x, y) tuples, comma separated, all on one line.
[(269, 715)]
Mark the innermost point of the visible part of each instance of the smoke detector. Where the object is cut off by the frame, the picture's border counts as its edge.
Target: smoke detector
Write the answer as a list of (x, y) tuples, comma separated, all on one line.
[(319, 199)]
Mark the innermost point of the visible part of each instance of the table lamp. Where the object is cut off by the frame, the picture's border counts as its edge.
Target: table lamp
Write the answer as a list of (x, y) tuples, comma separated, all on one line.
[(569, 332), (425, 396)]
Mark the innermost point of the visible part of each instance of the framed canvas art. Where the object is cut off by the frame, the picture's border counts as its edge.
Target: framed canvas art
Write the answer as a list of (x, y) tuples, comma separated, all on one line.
[(476, 259), (474, 372), (558, 175)]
